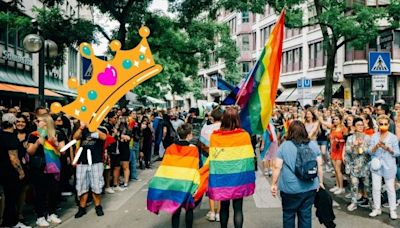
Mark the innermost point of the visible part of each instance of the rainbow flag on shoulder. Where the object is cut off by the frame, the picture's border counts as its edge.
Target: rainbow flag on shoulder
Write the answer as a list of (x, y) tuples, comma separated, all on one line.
[(231, 158), (52, 158), (176, 180), (257, 95)]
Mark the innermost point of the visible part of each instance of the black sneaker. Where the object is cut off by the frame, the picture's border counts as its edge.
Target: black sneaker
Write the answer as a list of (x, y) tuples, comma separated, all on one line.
[(99, 211), (81, 212), (364, 204), (361, 200)]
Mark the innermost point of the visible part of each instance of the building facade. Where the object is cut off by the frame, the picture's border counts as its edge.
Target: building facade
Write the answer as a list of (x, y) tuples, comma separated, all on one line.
[(303, 56), (19, 70)]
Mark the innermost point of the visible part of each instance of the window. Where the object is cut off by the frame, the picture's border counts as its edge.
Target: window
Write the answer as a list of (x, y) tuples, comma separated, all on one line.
[(232, 26), (72, 62), (245, 17), (264, 34), (245, 68), (292, 60), (396, 45), (254, 44), (317, 55), (245, 42), (312, 17), (3, 34)]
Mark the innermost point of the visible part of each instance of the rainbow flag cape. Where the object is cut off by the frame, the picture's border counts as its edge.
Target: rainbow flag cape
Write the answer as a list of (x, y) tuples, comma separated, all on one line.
[(232, 174), (52, 158), (257, 95), (176, 181)]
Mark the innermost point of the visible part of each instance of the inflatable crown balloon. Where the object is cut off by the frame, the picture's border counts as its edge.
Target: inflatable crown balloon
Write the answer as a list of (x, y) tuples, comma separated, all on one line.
[(110, 80)]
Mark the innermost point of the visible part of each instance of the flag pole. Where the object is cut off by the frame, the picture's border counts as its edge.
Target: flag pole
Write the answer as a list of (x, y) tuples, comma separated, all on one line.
[(245, 84)]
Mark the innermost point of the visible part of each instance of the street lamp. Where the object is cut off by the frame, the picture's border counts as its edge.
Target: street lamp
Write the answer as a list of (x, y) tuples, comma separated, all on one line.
[(34, 43)]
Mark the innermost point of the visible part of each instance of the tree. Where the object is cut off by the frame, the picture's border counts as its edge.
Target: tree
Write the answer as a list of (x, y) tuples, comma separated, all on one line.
[(341, 23), (53, 25)]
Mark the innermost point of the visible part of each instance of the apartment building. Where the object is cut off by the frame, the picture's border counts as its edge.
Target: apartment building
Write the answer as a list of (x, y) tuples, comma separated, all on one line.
[(19, 69), (303, 56)]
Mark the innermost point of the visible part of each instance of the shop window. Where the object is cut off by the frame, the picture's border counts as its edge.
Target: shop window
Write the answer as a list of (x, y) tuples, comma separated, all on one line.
[(3, 34), (12, 38)]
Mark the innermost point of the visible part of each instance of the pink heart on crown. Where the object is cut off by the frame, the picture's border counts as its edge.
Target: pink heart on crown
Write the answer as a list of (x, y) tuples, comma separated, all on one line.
[(108, 77)]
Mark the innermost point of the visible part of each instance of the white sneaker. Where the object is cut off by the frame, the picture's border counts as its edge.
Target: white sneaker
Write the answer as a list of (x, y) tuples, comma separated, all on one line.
[(109, 190), (66, 193), (334, 189), (211, 216), (53, 218), (21, 225), (393, 214), (42, 222), (217, 217), (375, 212), (348, 196), (119, 189), (352, 207), (339, 191)]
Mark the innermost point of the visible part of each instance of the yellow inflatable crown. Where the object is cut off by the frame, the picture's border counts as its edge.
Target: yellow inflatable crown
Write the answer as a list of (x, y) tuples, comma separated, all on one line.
[(110, 80)]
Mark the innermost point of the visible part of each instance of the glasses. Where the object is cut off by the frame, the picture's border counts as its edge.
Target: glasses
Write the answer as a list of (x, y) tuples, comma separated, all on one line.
[(383, 124)]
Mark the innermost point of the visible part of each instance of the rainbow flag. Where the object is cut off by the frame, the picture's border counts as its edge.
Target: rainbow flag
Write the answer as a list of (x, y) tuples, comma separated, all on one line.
[(176, 180), (232, 174), (257, 95), (52, 158)]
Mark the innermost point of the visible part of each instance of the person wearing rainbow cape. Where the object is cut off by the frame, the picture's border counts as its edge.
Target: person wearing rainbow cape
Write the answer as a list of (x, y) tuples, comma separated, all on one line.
[(178, 182), (231, 165)]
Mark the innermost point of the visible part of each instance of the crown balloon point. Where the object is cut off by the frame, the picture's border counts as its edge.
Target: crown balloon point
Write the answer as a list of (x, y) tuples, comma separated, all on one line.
[(55, 107), (115, 45), (144, 32), (72, 83)]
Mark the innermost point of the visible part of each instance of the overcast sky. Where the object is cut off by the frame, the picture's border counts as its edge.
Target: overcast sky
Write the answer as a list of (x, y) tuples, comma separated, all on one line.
[(110, 25)]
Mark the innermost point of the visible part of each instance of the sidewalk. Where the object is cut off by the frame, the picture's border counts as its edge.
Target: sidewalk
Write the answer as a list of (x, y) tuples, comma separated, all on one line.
[(110, 202)]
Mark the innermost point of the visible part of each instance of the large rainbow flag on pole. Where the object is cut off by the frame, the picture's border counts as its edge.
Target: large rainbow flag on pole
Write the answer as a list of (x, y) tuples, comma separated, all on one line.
[(257, 95)]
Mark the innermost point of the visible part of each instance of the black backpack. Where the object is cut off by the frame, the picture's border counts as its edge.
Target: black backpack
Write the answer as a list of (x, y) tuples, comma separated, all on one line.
[(306, 168)]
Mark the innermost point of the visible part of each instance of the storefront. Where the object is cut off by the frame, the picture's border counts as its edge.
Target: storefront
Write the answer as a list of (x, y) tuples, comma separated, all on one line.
[(361, 90)]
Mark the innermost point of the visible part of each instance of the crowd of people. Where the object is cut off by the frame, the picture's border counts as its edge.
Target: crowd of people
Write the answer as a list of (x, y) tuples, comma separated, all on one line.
[(56, 156), (360, 145), (36, 157)]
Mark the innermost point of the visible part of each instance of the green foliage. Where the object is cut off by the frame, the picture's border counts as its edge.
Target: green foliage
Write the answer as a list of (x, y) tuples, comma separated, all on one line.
[(14, 21), (64, 31)]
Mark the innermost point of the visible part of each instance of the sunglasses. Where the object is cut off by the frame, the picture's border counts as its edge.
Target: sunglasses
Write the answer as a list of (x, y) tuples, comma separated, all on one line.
[(383, 124)]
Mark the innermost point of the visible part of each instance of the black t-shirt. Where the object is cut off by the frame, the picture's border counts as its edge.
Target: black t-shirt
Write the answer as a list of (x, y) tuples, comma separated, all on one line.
[(8, 141), (94, 144), (112, 148), (40, 152)]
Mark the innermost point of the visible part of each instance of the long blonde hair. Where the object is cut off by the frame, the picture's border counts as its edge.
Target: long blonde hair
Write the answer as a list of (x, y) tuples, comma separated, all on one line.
[(49, 125)]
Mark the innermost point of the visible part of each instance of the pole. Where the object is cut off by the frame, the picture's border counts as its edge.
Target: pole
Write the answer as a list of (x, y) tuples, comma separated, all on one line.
[(41, 76)]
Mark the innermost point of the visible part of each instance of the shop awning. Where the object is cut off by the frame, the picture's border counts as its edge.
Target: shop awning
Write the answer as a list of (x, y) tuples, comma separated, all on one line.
[(155, 100), (169, 97), (27, 90), (285, 94), (66, 93), (313, 93)]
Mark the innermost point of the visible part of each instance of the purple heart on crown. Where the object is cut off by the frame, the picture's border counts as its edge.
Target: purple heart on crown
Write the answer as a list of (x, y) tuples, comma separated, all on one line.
[(108, 77)]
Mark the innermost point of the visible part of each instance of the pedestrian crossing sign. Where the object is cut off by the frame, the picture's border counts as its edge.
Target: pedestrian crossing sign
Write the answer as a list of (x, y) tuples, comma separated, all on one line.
[(379, 63)]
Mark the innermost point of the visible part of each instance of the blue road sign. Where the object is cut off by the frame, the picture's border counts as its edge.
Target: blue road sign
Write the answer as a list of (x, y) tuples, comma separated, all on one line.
[(87, 67), (304, 83), (379, 63)]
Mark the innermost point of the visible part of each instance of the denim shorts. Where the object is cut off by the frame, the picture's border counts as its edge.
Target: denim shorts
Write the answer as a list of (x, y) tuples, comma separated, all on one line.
[(322, 143)]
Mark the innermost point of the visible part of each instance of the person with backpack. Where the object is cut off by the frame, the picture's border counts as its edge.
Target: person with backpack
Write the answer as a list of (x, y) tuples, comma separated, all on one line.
[(298, 167)]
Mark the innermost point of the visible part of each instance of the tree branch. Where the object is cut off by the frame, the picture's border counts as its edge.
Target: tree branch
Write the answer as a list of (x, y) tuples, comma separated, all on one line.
[(101, 30), (346, 41)]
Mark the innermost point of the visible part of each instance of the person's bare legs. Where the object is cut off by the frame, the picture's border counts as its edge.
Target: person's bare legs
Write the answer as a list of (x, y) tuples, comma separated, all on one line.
[(116, 174), (125, 168)]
